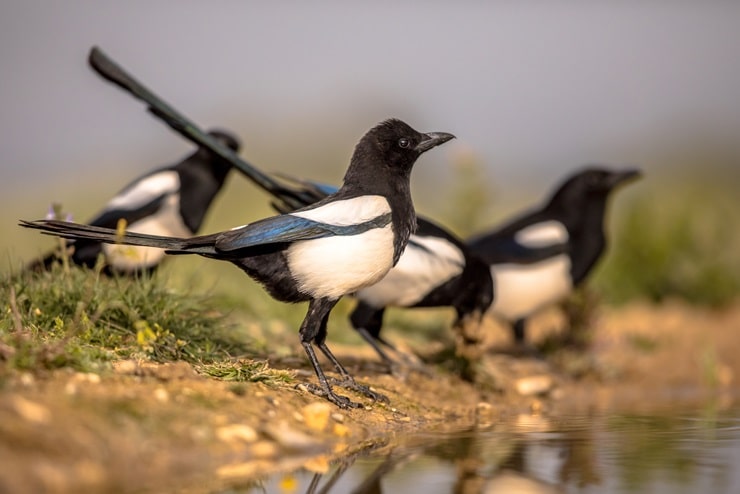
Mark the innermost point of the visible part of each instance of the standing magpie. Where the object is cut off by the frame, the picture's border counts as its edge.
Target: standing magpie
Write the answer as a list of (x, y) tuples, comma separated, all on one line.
[(171, 200), (318, 253), (435, 270), (539, 257)]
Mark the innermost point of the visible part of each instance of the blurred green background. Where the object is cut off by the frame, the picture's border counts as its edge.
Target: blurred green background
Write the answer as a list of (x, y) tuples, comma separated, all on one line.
[(533, 91)]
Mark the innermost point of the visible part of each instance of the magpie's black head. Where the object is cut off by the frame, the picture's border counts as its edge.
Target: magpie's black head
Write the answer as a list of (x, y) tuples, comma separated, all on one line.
[(218, 167), (590, 186), (391, 147), (225, 138)]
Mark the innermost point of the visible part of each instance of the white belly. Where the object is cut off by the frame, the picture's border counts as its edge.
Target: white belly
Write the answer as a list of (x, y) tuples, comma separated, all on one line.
[(166, 222), (335, 266), (417, 272), (520, 290)]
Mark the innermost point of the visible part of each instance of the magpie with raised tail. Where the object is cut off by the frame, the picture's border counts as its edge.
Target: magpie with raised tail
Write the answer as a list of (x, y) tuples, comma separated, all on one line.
[(318, 253), (171, 201), (435, 270), (539, 257)]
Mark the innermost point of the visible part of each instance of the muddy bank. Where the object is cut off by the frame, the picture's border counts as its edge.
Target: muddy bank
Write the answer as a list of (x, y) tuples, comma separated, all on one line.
[(165, 427)]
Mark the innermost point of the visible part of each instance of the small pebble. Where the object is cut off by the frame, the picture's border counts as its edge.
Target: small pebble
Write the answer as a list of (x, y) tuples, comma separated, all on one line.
[(340, 430), (236, 433), (316, 415), (318, 464), (125, 367), (26, 379), (288, 437), (483, 413), (31, 411), (161, 395), (534, 385), (87, 377), (70, 388), (265, 449)]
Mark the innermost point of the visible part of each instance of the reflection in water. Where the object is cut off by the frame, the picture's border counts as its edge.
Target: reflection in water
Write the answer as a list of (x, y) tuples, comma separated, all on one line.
[(620, 453)]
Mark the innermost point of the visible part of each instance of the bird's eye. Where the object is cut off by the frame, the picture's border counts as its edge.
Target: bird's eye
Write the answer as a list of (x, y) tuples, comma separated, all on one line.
[(403, 142)]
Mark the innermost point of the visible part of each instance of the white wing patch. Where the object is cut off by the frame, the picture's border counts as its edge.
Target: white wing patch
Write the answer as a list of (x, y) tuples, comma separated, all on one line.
[(522, 289), (348, 211), (167, 182), (167, 222), (335, 266), (417, 272), (542, 234)]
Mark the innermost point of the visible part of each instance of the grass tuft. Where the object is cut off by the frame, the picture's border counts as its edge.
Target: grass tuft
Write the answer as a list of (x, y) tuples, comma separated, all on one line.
[(78, 318), (244, 370), (681, 244)]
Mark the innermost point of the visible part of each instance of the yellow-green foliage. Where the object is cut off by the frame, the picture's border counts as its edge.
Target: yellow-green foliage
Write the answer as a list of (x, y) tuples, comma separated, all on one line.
[(680, 242), (78, 318)]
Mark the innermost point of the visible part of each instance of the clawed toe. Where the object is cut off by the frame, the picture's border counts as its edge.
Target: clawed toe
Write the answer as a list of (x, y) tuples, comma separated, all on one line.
[(339, 400), (349, 383)]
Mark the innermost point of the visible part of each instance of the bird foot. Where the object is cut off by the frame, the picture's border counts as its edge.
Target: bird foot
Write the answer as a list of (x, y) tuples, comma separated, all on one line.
[(401, 369), (339, 400), (350, 383)]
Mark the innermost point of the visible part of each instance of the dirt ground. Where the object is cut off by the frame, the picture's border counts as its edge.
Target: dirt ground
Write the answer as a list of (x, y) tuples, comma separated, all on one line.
[(164, 428)]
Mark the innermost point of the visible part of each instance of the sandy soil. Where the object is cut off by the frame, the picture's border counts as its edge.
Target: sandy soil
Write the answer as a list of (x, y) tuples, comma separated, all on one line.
[(146, 427)]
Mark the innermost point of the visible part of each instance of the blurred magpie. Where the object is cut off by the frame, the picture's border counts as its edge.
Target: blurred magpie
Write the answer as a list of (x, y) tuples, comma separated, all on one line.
[(539, 257), (171, 200), (435, 270), (318, 253)]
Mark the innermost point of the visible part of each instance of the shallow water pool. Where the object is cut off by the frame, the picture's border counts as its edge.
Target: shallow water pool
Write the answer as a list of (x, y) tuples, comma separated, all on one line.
[(671, 451)]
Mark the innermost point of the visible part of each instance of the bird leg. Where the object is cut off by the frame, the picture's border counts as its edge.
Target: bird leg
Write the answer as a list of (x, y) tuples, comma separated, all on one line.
[(318, 312), (347, 381), (374, 342), (469, 337), (324, 389), (368, 321), (396, 367), (518, 330), (521, 347)]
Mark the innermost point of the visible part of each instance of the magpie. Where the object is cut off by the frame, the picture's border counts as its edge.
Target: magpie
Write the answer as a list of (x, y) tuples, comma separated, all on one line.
[(171, 200), (540, 256), (435, 270), (316, 254)]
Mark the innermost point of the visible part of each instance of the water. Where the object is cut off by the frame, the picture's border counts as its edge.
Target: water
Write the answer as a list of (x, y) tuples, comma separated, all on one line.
[(669, 452)]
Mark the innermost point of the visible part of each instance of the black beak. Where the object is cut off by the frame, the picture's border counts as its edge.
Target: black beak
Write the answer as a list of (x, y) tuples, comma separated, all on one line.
[(432, 139), (624, 176)]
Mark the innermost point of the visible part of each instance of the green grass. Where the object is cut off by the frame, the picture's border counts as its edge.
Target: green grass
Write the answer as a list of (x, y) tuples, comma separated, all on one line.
[(678, 242), (244, 370), (78, 318), (681, 240)]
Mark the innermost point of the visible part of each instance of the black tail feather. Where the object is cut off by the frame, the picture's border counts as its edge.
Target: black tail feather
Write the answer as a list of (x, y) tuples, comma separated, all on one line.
[(77, 231), (292, 198)]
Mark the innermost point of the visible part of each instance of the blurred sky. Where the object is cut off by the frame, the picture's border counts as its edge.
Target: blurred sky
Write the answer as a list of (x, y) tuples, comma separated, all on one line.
[(534, 88)]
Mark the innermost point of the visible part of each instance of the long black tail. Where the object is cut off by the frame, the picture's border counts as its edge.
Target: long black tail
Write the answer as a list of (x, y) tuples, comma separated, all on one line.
[(288, 197), (202, 245)]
